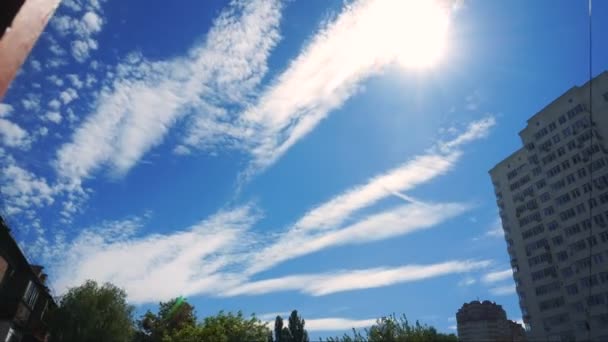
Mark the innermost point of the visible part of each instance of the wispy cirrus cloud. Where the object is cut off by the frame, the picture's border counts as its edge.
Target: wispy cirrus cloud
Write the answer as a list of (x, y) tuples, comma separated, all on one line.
[(348, 280), (497, 276), (324, 323), (146, 98), (339, 57), (321, 227), (503, 290), (184, 262), (401, 220)]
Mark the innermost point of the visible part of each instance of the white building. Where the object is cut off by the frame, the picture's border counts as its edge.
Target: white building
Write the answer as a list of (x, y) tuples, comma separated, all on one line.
[(552, 196)]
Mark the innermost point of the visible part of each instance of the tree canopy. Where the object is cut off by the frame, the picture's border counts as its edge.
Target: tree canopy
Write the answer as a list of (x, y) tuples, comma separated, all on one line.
[(92, 313), (393, 329), (173, 316), (223, 327)]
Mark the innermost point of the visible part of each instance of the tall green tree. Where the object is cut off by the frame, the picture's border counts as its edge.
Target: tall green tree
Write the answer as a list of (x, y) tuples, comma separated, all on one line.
[(393, 329), (293, 332), (296, 328), (174, 315), (92, 313)]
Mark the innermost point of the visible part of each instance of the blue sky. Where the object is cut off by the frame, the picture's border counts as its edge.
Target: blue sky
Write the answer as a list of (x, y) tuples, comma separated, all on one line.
[(266, 155)]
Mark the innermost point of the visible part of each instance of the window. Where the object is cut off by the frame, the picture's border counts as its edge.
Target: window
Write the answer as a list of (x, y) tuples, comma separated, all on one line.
[(3, 269), (576, 159), (44, 310), (604, 236), (567, 214), (561, 151), (30, 295), (562, 256), (606, 96), (586, 186), (548, 288), (545, 197), (580, 208), (572, 289), (574, 229), (597, 299), (587, 282), (552, 127), (552, 225), (549, 211), (570, 178), (540, 184), (566, 164), (551, 303), (562, 119), (558, 240), (567, 272)]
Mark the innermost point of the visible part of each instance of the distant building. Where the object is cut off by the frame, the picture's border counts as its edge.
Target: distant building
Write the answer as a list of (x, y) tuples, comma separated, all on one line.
[(24, 297), (21, 23), (552, 196), (486, 321)]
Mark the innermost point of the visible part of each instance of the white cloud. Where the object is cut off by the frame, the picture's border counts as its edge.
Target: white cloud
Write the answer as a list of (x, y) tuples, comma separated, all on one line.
[(147, 98), (348, 280), (496, 230), (13, 135), (36, 65), (92, 22), (503, 290), (181, 150), (166, 265), (400, 220), (475, 130), (54, 117), (55, 80), (5, 110), (68, 95), (497, 276), (81, 49), (468, 281), (75, 80), (22, 190), (337, 323), (31, 102), (81, 27), (54, 104)]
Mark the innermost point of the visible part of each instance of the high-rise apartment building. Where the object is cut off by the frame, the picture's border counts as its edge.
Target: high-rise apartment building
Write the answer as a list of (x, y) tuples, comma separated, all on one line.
[(486, 321), (552, 196)]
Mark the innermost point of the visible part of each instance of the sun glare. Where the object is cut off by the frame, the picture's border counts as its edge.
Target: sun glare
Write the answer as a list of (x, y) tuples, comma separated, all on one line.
[(415, 31)]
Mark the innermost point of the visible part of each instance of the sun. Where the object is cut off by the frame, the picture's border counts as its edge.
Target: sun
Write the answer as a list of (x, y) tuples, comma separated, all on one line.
[(413, 32), (425, 34)]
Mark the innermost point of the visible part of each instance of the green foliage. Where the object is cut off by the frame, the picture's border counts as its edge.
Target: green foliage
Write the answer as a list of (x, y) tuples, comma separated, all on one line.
[(393, 329), (92, 313), (173, 316), (294, 332), (223, 328)]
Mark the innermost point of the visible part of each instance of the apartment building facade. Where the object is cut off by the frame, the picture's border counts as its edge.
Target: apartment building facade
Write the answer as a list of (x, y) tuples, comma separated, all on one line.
[(24, 297), (552, 196)]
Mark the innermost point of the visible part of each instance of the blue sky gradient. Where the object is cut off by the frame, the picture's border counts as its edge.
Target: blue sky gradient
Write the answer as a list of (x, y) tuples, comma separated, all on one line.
[(243, 155)]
